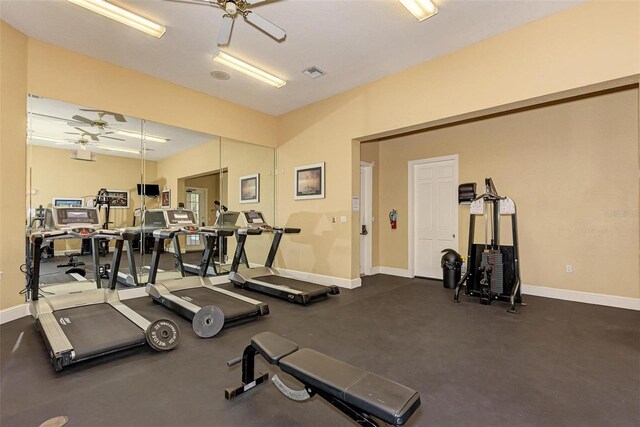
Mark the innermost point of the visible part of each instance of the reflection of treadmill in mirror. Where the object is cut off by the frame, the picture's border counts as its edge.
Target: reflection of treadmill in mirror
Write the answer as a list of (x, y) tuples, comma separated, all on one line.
[(155, 219), (267, 279), (77, 325), (215, 247)]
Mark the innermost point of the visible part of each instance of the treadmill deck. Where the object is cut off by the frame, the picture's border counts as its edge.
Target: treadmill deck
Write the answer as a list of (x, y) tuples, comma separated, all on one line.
[(232, 308), (97, 329)]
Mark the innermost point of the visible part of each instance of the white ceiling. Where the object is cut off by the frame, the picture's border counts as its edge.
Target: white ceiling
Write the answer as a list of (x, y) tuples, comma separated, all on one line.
[(49, 118), (353, 41)]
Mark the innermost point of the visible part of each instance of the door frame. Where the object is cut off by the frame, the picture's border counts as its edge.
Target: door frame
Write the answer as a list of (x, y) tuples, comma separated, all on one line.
[(411, 164), (368, 212)]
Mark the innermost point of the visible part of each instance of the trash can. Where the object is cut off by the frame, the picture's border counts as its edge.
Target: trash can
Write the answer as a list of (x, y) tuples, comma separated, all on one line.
[(451, 264)]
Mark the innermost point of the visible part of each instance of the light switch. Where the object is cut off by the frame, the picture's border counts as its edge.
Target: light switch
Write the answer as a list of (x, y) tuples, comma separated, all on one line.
[(343, 219)]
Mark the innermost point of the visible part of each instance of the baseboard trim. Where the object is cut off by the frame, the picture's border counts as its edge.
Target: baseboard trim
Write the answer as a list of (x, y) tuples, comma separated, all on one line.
[(584, 297), (14, 313), (392, 271), (321, 279)]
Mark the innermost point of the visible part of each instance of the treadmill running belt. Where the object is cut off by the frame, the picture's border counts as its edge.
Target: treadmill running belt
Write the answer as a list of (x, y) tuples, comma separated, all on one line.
[(96, 329), (311, 288), (232, 308)]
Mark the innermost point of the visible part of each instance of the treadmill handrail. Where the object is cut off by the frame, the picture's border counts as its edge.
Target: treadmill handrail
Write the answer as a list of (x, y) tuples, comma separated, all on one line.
[(47, 235)]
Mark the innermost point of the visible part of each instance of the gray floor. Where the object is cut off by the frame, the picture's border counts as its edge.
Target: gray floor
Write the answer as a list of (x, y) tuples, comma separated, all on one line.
[(555, 364)]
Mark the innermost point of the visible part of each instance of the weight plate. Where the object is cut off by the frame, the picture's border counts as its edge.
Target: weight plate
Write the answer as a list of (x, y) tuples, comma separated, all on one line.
[(163, 335), (208, 321)]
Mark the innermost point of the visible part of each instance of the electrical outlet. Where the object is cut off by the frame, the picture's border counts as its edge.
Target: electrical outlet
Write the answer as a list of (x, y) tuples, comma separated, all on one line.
[(569, 268), (333, 219)]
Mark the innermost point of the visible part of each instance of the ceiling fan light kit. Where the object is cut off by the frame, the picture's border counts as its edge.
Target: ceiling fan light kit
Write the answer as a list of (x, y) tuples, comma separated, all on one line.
[(123, 16), (248, 69), (421, 9)]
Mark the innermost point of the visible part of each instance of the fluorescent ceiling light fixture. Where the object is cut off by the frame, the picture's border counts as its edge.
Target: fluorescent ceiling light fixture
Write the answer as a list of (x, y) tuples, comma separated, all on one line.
[(248, 69), (123, 16), (147, 137), (421, 9), (122, 150), (47, 138)]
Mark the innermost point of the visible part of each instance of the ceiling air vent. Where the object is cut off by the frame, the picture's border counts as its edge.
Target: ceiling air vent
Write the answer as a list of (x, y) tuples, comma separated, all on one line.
[(314, 72)]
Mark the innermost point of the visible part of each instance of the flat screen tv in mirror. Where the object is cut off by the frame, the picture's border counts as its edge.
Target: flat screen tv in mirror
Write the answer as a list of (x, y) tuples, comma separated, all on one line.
[(149, 190)]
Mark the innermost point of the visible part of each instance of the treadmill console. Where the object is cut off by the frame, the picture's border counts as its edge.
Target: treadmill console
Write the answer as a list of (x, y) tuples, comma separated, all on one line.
[(165, 218), (255, 219), (180, 218), (76, 219)]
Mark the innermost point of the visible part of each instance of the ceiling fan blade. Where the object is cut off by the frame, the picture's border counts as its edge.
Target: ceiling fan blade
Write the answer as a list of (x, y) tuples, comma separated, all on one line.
[(81, 130), (119, 117), (267, 26), (254, 2), (225, 30), (73, 133), (82, 119), (64, 143), (93, 137), (115, 139)]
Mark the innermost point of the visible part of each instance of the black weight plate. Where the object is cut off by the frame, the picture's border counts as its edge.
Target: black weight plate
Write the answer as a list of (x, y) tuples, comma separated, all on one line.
[(208, 321), (163, 335)]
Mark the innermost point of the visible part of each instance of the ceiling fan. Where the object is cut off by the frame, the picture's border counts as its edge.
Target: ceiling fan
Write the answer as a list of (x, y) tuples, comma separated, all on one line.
[(235, 8), (95, 137), (101, 124)]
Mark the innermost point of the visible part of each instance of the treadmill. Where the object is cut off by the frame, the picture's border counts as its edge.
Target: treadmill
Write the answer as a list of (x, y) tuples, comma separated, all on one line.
[(84, 324), (155, 219), (197, 298), (267, 279), (215, 244)]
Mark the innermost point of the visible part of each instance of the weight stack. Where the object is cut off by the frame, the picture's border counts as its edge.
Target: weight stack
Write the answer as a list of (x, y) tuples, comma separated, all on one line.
[(493, 259)]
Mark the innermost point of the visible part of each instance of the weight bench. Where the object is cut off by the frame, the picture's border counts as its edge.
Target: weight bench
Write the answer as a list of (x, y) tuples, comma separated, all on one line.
[(357, 393)]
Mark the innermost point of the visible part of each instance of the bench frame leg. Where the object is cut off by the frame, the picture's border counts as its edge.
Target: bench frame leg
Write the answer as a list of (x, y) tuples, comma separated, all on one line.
[(249, 380)]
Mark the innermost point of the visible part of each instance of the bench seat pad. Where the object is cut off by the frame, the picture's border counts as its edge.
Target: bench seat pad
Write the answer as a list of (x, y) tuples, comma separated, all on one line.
[(273, 347), (387, 400)]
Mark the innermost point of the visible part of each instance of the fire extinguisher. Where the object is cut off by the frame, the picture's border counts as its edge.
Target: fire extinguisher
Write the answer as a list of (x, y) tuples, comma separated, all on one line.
[(393, 219)]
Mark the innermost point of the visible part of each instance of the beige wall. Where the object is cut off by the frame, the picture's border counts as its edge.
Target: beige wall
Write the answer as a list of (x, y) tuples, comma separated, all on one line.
[(199, 160), (64, 75), (588, 44), (13, 108), (240, 159), (571, 168)]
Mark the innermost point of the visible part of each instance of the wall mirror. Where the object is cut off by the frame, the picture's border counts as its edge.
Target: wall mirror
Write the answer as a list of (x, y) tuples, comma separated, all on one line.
[(77, 153)]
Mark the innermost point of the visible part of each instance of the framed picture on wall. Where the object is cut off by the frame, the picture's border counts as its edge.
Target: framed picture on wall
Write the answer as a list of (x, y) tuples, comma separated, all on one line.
[(250, 188), (118, 198), (165, 199), (309, 182)]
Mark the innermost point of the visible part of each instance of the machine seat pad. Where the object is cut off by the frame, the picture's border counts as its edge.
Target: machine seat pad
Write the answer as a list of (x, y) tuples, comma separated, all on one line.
[(273, 347), (374, 395)]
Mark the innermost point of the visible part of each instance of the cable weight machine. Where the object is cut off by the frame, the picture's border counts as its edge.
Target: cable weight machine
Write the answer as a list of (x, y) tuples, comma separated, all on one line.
[(493, 270)]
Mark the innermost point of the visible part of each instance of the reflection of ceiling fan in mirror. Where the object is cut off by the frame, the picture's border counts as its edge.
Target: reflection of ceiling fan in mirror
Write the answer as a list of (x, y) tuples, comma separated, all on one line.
[(82, 142), (234, 8), (94, 136), (101, 124)]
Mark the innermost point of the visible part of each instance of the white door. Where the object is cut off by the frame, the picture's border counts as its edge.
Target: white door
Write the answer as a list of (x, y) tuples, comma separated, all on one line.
[(366, 219), (435, 213), (196, 200)]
